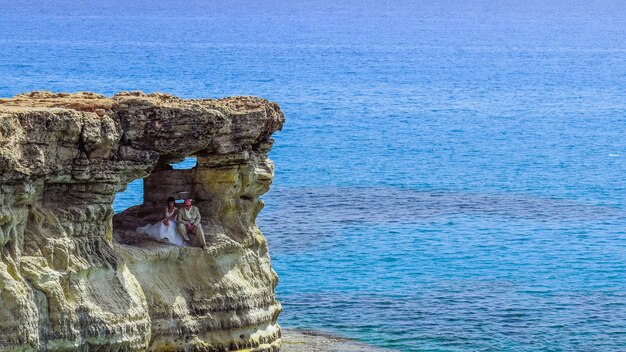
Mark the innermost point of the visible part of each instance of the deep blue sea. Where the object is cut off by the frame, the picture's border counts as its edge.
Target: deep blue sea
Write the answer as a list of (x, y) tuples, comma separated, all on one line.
[(451, 175)]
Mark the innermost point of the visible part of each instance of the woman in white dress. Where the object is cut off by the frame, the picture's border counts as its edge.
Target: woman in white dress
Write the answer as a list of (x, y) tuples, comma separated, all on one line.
[(165, 230)]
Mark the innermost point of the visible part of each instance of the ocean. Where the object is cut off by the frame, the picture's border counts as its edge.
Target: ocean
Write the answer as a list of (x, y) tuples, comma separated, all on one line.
[(451, 175)]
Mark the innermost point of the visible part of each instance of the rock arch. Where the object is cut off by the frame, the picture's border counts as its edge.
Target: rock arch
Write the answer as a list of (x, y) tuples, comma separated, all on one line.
[(73, 275)]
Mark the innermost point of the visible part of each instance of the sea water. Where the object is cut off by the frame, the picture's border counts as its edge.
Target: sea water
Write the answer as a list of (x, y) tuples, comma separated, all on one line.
[(451, 175)]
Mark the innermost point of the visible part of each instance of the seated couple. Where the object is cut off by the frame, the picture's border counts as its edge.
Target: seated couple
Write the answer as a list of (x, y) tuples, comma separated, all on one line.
[(177, 224)]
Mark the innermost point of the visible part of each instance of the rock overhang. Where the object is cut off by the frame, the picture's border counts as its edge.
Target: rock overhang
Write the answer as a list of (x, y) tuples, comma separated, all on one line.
[(62, 159)]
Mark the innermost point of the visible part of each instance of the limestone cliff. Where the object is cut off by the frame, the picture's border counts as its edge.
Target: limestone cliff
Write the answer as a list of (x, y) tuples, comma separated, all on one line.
[(74, 276)]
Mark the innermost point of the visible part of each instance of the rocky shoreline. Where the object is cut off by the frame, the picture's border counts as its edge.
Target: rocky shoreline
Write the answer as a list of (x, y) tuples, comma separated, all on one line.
[(74, 276), (298, 340)]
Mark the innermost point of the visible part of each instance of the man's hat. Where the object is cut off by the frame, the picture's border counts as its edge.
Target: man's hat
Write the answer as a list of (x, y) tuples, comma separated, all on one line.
[(187, 201)]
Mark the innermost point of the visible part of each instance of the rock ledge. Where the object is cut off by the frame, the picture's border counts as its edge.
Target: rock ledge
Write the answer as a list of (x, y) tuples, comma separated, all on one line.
[(75, 277)]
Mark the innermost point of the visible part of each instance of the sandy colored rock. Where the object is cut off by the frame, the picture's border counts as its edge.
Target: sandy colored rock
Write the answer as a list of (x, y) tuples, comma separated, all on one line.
[(74, 278)]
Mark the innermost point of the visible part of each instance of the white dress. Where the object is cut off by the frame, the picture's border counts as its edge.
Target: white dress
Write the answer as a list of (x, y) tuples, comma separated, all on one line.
[(162, 232)]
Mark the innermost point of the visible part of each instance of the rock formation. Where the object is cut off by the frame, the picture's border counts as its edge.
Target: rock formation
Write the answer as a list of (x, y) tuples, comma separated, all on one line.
[(74, 276)]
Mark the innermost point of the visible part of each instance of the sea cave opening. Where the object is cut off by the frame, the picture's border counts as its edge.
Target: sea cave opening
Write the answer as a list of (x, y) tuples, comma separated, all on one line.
[(134, 192), (144, 199)]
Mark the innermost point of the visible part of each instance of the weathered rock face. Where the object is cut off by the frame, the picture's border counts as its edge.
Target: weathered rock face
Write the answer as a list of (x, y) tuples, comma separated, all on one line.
[(75, 277)]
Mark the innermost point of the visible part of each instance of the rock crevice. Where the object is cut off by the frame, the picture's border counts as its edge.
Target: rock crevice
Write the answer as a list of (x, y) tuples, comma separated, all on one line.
[(74, 276)]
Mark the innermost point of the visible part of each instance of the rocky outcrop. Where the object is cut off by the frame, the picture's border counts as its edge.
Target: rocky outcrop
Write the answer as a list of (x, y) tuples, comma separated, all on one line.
[(74, 276)]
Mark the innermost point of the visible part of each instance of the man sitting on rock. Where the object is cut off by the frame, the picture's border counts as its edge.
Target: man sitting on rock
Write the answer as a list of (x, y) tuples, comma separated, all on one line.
[(188, 219)]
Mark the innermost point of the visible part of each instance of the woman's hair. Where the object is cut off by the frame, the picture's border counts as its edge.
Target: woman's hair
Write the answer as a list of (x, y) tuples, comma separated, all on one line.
[(171, 199)]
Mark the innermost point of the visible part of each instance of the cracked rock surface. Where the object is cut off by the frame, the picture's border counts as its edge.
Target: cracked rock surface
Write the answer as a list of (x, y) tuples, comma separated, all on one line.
[(74, 276)]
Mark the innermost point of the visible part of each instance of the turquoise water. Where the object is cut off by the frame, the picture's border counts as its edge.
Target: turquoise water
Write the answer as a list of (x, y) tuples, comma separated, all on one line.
[(451, 176)]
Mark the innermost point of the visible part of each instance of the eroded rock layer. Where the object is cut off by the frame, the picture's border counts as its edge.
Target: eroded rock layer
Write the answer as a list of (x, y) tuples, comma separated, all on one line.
[(75, 277)]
